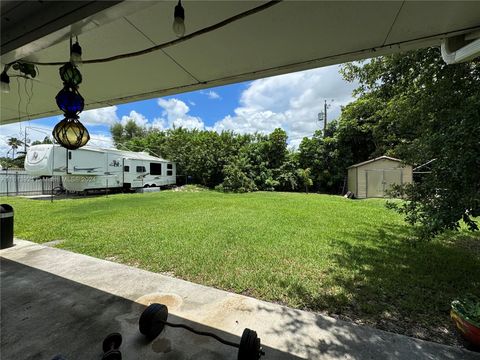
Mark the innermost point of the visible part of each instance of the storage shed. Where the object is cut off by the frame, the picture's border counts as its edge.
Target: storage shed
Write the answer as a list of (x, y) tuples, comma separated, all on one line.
[(374, 177)]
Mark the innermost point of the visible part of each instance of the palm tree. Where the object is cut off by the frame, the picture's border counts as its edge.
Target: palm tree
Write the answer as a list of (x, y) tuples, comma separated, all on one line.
[(14, 143)]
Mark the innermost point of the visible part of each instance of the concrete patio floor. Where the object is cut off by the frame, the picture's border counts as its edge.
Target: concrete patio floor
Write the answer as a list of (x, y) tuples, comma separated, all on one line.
[(58, 302)]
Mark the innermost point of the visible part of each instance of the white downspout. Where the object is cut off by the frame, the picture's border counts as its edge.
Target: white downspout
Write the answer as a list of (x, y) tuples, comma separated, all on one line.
[(452, 53)]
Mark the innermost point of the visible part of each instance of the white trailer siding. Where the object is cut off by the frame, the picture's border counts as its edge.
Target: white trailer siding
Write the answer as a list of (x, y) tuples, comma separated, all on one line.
[(140, 173), (46, 160), (93, 169)]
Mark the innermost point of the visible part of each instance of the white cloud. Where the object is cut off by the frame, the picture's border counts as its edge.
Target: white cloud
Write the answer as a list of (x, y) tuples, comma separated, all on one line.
[(159, 124), (138, 118), (211, 94), (175, 114), (102, 116), (290, 101), (101, 140)]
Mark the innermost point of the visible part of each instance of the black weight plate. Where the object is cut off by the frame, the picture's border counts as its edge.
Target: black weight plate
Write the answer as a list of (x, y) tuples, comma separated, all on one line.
[(112, 341), (250, 347), (152, 320), (112, 355)]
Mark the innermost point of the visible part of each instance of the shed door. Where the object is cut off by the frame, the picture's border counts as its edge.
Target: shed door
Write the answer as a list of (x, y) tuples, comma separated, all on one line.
[(391, 177), (379, 181), (374, 183)]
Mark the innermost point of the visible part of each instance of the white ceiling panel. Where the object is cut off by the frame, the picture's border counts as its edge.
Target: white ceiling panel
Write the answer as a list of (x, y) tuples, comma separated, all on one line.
[(107, 83), (419, 19), (308, 30), (156, 21)]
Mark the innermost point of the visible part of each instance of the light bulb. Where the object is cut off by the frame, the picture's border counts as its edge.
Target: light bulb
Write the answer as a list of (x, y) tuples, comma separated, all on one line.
[(76, 54), (4, 82), (179, 27), (179, 20)]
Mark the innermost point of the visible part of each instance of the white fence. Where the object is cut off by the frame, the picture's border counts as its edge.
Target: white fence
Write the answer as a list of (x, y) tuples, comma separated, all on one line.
[(17, 182)]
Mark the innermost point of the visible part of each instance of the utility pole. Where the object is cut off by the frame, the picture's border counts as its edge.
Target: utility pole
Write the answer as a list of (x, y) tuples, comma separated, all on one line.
[(322, 116), (25, 142), (325, 118)]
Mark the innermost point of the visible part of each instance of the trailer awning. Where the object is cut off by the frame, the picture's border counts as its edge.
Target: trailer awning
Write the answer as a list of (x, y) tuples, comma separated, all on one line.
[(289, 36)]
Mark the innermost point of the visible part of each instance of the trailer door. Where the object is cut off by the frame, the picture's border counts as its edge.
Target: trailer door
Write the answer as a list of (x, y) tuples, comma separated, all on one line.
[(114, 170)]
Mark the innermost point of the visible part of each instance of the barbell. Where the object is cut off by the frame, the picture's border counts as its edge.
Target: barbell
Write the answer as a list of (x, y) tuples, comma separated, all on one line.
[(154, 319)]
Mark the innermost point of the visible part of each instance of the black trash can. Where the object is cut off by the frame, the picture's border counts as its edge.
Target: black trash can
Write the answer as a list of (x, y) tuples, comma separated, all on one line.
[(6, 226)]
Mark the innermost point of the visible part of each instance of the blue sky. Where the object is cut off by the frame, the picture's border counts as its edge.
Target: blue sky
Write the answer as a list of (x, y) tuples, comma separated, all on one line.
[(290, 101)]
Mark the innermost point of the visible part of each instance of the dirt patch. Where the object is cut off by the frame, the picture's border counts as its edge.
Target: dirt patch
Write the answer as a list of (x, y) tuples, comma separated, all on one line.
[(172, 301)]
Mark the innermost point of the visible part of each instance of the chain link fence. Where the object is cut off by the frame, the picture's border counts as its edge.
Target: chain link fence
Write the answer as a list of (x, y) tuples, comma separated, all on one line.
[(15, 182)]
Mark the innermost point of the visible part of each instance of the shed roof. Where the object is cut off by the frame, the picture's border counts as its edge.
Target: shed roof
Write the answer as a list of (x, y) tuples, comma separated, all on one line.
[(373, 160)]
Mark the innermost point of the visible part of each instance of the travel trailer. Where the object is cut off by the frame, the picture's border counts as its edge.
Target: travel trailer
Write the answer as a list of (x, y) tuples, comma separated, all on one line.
[(92, 168)]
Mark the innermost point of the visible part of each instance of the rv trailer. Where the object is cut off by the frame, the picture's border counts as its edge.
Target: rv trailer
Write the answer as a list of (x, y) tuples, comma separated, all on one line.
[(91, 168)]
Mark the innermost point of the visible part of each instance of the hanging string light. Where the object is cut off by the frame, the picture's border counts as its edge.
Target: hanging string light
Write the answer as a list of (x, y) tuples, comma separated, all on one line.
[(75, 53), (70, 132), (179, 20)]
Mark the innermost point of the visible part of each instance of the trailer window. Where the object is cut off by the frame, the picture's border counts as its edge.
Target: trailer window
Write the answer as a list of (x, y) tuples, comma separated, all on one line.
[(141, 169), (169, 169), (126, 168), (155, 169)]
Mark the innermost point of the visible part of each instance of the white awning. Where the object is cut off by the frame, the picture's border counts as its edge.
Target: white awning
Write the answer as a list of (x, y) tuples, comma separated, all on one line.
[(289, 36)]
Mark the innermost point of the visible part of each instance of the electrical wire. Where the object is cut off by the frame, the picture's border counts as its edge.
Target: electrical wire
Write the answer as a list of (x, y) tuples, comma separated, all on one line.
[(19, 102), (168, 43), (29, 97)]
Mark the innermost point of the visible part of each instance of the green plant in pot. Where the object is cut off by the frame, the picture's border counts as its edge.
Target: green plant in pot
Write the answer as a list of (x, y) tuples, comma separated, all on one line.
[(465, 313)]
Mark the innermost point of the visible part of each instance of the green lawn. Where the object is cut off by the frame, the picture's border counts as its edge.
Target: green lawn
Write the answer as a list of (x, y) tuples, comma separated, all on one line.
[(349, 258)]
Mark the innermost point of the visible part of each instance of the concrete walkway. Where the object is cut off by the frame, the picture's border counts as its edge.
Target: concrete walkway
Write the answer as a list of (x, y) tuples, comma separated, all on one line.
[(57, 302)]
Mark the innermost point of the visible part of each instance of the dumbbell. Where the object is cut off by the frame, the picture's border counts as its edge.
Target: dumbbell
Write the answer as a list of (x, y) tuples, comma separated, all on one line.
[(110, 347), (154, 319)]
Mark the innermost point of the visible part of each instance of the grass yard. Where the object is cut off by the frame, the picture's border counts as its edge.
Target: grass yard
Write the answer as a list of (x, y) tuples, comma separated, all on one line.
[(349, 259)]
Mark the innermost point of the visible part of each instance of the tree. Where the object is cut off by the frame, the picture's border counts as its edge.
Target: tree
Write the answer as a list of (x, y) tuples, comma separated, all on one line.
[(237, 177), (286, 175), (14, 143), (16, 163), (325, 158), (117, 133), (305, 179), (423, 109), (276, 148), (129, 131), (46, 140)]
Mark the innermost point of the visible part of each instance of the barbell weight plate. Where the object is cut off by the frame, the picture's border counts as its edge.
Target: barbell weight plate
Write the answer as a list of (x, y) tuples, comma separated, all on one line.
[(112, 341), (250, 347), (112, 355), (152, 320)]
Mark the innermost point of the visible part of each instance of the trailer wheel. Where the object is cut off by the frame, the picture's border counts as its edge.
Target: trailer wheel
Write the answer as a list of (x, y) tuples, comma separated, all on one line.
[(146, 186), (58, 190)]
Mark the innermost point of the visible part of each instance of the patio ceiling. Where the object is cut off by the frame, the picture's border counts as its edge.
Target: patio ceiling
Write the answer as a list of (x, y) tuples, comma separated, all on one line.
[(287, 37)]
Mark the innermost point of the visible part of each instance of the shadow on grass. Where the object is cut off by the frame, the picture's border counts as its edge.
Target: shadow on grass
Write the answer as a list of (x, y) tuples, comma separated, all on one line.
[(396, 284)]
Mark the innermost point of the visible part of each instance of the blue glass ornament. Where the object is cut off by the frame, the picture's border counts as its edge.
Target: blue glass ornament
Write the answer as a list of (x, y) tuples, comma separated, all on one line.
[(70, 102)]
